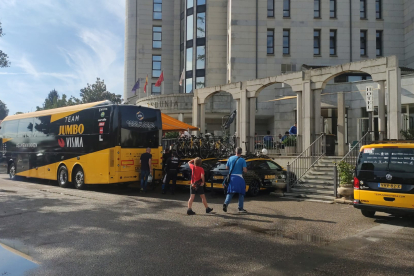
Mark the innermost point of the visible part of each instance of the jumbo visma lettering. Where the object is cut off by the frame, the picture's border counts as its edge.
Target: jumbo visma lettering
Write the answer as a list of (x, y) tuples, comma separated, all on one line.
[(71, 129)]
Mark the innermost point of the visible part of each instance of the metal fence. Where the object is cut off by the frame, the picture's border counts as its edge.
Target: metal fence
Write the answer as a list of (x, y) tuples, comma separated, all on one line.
[(305, 161), (275, 145)]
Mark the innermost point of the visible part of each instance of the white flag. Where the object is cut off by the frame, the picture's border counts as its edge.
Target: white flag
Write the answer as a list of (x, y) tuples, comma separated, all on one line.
[(182, 77)]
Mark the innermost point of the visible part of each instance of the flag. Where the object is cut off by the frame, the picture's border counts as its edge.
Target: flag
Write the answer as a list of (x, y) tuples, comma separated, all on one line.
[(182, 77), (160, 80), (136, 86), (145, 86)]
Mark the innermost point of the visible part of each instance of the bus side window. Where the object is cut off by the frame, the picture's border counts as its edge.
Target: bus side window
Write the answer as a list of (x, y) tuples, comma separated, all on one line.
[(10, 129), (25, 128), (41, 126)]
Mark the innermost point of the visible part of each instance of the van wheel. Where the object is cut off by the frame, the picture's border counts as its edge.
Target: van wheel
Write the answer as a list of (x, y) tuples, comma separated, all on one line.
[(254, 188), (79, 179), (12, 171), (62, 178), (368, 214)]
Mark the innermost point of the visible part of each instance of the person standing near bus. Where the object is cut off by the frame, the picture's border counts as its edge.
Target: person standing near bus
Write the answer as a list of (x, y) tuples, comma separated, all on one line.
[(171, 170), (197, 185), (146, 168), (236, 165)]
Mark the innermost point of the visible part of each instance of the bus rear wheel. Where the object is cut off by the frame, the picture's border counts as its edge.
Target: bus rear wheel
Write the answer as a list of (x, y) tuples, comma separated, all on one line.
[(12, 171), (79, 178), (62, 178)]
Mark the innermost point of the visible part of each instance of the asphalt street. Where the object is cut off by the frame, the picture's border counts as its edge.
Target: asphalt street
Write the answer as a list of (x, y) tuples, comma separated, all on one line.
[(107, 230)]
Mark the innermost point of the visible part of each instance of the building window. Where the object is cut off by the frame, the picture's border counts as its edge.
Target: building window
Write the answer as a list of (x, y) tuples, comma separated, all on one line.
[(156, 37), (379, 44), (201, 25), (155, 90), (156, 66), (286, 42), (332, 42), (200, 82), (317, 9), (363, 9), (201, 57), (332, 8), (270, 41), (317, 42), (270, 8), (286, 8), (190, 4), (157, 10), (189, 59), (363, 43), (190, 27), (201, 2), (378, 9), (189, 85)]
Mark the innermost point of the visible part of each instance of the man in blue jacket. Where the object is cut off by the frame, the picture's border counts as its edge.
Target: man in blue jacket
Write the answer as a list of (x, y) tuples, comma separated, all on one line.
[(293, 130), (236, 165)]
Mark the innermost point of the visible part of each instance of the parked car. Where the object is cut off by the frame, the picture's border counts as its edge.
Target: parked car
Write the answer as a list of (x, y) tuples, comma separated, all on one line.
[(262, 173), (184, 172)]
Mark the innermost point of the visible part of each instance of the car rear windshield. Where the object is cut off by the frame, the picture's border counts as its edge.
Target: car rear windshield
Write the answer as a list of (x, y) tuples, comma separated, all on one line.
[(386, 159)]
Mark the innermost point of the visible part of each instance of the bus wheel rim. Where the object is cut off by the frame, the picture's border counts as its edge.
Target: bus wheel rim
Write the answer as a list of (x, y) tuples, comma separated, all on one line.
[(63, 177), (79, 178)]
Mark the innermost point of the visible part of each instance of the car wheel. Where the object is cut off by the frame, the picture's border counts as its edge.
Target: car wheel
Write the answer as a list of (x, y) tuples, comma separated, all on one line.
[(62, 177), (79, 178), (368, 214), (12, 171), (254, 188)]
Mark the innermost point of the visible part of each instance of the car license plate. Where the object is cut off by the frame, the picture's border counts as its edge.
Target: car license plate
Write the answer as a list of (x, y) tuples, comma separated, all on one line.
[(179, 174), (390, 186), (270, 176), (218, 177)]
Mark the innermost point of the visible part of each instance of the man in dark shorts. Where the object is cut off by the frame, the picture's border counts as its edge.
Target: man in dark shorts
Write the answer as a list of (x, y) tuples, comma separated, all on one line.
[(171, 169), (197, 185), (146, 168)]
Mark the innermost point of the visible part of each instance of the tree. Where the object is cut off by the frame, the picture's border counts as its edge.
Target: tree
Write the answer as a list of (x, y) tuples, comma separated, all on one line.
[(3, 110), (97, 92), (4, 59), (18, 113), (54, 100)]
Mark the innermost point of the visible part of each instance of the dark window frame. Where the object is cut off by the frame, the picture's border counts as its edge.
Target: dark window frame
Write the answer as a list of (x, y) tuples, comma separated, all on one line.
[(363, 9), (286, 10), (271, 10), (288, 47), (273, 41), (332, 13), (378, 9), (156, 61), (363, 44), (154, 12), (333, 40), (379, 41), (153, 40), (152, 89), (317, 39), (317, 10)]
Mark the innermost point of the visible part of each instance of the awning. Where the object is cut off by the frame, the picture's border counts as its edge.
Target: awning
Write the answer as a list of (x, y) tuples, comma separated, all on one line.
[(171, 124)]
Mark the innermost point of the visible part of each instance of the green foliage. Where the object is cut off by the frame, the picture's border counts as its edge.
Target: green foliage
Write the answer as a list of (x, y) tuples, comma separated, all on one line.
[(346, 173), (17, 113), (408, 134), (4, 59), (54, 100), (3, 110), (171, 135), (97, 92), (290, 141)]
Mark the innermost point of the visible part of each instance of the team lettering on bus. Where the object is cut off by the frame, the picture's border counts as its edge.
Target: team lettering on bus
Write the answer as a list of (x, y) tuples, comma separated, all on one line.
[(71, 129)]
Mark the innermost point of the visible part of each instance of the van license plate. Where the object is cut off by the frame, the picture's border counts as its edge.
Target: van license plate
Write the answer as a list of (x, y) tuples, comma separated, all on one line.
[(179, 174), (390, 186), (218, 177)]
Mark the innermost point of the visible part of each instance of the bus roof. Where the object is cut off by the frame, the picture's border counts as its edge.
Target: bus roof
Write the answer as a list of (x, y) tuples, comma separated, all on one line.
[(58, 112)]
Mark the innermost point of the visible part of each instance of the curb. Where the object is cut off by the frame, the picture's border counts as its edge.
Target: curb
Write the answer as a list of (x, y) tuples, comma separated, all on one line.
[(343, 201)]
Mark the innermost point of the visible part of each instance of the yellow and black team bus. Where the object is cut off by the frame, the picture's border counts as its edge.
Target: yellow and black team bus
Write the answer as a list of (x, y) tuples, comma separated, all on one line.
[(94, 143)]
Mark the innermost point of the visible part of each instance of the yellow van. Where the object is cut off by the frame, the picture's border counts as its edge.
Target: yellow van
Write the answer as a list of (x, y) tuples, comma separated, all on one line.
[(384, 179)]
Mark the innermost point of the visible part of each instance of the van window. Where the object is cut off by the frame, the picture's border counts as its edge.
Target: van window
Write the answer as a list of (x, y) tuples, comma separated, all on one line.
[(388, 159)]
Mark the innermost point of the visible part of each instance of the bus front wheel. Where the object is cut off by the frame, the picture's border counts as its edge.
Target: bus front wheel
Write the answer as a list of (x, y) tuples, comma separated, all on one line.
[(79, 178), (63, 179), (12, 171)]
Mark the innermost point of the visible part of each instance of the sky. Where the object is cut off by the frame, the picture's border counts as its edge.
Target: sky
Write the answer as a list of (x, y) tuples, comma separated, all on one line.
[(62, 45)]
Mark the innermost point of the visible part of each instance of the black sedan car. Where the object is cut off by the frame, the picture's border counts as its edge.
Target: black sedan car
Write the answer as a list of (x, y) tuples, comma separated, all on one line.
[(184, 172), (262, 173)]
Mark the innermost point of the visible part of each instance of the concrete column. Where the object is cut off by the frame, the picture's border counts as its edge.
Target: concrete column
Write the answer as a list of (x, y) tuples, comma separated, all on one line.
[(195, 113), (203, 118), (307, 115), (381, 110), (244, 126), (299, 112), (394, 94), (252, 119), (181, 117), (341, 124), (317, 110)]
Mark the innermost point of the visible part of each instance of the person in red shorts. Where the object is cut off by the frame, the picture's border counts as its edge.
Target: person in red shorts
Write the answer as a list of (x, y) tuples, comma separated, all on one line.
[(197, 185)]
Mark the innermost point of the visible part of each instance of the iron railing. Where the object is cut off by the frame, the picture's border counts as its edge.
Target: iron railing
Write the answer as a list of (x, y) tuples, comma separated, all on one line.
[(305, 161), (275, 145), (352, 156)]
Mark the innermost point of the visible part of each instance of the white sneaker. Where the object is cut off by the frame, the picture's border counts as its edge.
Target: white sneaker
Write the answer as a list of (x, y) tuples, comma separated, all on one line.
[(242, 211)]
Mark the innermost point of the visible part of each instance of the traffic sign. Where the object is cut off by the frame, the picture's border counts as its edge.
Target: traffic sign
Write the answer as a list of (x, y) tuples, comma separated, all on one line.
[(369, 99)]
